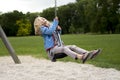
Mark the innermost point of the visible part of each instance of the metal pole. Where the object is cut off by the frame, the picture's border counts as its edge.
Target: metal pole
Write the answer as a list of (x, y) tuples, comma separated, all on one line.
[(59, 39), (8, 46), (57, 32), (55, 8)]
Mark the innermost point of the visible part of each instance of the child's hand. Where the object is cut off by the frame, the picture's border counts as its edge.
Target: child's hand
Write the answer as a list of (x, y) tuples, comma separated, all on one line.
[(56, 18), (58, 28)]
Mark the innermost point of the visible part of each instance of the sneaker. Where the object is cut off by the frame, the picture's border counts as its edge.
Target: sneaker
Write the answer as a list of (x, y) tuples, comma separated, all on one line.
[(85, 57), (53, 60), (94, 53)]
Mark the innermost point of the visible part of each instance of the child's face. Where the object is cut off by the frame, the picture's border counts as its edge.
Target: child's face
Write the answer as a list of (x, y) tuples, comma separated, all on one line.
[(45, 22)]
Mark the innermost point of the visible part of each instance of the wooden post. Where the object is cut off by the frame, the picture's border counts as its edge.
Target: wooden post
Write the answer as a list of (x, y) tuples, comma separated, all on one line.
[(8, 46)]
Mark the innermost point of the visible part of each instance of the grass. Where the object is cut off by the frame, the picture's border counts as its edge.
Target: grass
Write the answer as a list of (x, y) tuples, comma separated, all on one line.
[(33, 45)]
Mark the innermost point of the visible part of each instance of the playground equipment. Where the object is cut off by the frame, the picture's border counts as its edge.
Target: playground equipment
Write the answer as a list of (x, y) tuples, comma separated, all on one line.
[(53, 56), (8, 46), (57, 32)]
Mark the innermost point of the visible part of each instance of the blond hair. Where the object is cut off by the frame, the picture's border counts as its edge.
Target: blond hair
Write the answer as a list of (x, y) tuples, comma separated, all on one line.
[(37, 25), (38, 22)]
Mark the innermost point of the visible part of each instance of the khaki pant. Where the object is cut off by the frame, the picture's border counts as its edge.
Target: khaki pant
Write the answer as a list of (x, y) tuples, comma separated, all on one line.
[(70, 50)]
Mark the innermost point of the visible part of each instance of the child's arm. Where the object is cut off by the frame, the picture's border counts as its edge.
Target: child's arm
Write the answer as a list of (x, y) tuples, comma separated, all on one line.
[(51, 29)]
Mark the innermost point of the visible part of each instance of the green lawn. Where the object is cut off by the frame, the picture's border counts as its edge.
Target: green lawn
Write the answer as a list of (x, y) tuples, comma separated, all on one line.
[(33, 45)]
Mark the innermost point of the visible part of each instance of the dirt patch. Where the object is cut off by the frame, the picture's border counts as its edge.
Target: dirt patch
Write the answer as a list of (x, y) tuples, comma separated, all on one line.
[(37, 69)]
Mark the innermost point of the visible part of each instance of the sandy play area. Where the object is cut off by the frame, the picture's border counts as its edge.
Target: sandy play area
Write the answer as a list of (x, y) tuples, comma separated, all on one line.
[(40, 69)]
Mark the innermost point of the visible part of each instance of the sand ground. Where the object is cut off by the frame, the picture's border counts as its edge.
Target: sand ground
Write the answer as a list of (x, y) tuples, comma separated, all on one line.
[(41, 69)]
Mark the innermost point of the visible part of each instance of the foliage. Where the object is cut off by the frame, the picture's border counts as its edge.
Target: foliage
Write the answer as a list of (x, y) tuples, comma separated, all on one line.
[(48, 13), (83, 16), (8, 21), (72, 29), (31, 17), (24, 27), (97, 16)]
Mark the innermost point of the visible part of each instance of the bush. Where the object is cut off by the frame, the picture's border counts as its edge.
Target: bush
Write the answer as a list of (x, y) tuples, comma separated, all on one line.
[(24, 27)]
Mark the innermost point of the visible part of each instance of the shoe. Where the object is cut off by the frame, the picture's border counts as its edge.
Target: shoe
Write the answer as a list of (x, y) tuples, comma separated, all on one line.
[(85, 57), (94, 53), (53, 60)]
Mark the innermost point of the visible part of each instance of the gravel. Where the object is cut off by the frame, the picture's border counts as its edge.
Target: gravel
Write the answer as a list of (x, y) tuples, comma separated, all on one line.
[(41, 69)]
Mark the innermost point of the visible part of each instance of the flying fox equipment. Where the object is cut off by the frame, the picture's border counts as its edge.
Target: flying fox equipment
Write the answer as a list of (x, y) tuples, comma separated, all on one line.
[(59, 41)]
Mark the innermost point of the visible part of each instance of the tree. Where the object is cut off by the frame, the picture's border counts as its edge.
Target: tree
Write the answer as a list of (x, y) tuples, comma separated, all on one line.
[(109, 9), (8, 21), (66, 15), (31, 17), (83, 16), (72, 29), (24, 27)]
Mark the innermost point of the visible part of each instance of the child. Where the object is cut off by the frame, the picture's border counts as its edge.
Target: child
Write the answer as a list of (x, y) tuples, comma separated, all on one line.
[(47, 31)]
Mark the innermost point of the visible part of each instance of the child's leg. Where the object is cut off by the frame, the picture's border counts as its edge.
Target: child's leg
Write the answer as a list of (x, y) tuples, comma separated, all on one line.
[(69, 52), (66, 50), (92, 53), (77, 49)]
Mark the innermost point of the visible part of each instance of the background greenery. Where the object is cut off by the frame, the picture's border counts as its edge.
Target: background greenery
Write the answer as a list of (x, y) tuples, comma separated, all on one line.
[(83, 16), (33, 45)]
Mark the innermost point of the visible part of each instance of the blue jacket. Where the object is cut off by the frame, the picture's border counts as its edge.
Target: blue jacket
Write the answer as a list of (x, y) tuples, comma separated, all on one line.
[(47, 34)]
